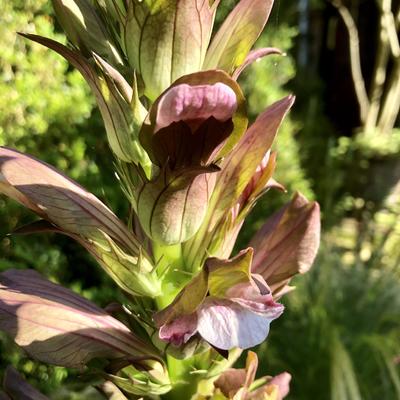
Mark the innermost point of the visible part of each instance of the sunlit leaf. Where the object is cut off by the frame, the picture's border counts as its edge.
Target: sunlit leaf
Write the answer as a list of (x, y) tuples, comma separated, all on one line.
[(56, 326), (231, 44)]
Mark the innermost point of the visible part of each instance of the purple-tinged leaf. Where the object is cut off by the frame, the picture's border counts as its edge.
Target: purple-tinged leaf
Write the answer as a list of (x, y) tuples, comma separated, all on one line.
[(241, 164), (56, 326), (287, 243), (253, 56), (18, 388), (131, 273), (58, 199), (237, 170), (233, 41), (72, 210)]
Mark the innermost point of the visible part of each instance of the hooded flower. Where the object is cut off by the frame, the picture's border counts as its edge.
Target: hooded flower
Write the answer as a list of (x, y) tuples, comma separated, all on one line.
[(184, 134), (225, 304)]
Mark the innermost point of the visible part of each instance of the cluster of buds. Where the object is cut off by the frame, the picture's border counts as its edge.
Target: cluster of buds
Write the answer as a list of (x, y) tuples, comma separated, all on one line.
[(192, 170)]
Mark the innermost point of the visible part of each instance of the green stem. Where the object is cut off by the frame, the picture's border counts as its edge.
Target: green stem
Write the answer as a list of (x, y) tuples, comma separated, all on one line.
[(184, 384)]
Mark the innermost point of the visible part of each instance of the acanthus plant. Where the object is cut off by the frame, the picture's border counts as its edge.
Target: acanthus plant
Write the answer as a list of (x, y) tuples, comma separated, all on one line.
[(192, 170)]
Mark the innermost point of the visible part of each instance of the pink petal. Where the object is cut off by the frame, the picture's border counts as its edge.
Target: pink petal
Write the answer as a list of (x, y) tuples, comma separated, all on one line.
[(196, 103), (256, 297), (282, 381), (180, 330)]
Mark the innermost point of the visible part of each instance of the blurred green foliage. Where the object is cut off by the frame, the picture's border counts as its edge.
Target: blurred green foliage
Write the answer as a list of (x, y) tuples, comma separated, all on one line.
[(46, 109), (340, 335)]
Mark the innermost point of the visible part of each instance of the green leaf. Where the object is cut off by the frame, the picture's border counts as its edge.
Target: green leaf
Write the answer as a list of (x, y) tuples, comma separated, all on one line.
[(165, 39), (85, 29), (238, 33), (225, 274), (119, 105), (187, 301)]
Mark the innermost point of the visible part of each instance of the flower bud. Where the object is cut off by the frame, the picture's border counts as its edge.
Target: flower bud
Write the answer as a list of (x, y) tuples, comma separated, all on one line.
[(183, 134), (171, 210)]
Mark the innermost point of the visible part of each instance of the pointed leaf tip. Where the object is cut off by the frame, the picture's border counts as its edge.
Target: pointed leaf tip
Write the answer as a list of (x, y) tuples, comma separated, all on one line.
[(287, 243), (57, 326), (238, 33)]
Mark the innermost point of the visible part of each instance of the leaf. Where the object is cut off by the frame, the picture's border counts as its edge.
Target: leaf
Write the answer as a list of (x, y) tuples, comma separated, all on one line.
[(114, 97), (120, 115), (253, 56), (165, 40), (225, 274), (79, 214), (236, 36), (85, 29), (18, 388), (58, 199), (240, 165), (74, 57), (187, 301), (237, 170), (288, 242), (56, 326)]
